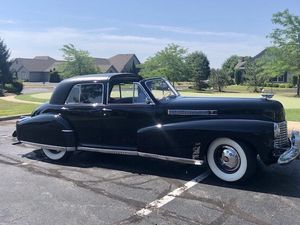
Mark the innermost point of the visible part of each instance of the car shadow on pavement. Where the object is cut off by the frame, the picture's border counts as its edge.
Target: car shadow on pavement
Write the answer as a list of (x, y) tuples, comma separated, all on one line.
[(274, 179)]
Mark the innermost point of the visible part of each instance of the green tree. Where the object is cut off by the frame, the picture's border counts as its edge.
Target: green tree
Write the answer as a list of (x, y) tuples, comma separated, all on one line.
[(5, 63), (229, 66), (218, 79), (254, 75), (78, 62), (168, 62), (198, 67), (272, 62), (286, 37)]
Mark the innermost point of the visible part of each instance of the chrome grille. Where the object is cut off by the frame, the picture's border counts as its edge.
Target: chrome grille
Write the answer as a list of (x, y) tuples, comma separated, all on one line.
[(282, 141)]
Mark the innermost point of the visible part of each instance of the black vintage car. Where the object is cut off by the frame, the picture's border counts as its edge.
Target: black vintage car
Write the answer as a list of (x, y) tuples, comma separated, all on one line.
[(126, 114)]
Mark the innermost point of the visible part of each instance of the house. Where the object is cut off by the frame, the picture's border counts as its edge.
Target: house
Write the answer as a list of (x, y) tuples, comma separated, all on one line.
[(38, 69), (240, 68), (34, 70)]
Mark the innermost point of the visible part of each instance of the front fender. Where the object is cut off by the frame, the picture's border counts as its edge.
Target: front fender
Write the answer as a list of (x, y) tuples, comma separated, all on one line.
[(183, 138), (46, 129)]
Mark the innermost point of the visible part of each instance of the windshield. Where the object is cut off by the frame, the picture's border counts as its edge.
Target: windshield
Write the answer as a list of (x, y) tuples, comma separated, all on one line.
[(161, 89)]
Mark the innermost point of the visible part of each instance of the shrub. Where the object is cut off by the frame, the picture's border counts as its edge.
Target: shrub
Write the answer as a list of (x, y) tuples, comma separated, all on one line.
[(200, 85), (1, 90), (8, 88), (54, 77), (15, 87), (294, 80), (282, 85)]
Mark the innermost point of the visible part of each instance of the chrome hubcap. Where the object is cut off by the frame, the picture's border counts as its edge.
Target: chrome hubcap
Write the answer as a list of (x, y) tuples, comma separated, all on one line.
[(227, 158)]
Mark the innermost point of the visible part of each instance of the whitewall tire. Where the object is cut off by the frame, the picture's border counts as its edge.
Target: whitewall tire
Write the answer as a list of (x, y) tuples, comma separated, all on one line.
[(55, 155), (231, 161)]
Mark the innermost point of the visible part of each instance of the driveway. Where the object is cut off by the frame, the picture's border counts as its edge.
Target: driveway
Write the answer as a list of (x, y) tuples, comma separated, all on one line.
[(94, 188), (38, 87)]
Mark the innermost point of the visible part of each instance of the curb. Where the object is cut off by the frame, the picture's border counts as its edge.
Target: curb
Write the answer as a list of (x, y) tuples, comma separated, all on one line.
[(4, 118)]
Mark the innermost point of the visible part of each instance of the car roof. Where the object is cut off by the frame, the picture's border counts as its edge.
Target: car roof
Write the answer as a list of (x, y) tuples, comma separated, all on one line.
[(62, 89), (101, 77)]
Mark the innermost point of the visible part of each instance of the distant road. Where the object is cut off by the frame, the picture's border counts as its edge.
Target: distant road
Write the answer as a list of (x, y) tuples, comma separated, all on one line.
[(37, 87)]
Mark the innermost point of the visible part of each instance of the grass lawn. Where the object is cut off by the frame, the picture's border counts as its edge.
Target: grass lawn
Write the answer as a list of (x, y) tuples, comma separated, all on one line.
[(292, 114), (36, 97), (13, 108)]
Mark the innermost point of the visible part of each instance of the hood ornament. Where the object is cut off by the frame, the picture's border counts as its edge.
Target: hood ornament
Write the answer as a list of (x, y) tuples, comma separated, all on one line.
[(266, 95)]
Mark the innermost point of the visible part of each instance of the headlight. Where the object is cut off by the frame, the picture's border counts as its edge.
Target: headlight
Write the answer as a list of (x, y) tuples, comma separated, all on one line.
[(276, 130)]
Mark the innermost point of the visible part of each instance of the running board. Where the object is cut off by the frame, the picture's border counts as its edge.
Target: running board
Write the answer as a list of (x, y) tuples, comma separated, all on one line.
[(116, 152), (142, 154)]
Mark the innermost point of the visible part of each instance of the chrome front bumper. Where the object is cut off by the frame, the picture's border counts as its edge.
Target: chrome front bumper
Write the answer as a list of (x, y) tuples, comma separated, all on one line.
[(293, 152)]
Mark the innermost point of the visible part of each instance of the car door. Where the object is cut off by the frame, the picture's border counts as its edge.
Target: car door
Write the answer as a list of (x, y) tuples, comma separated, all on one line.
[(83, 109), (128, 109)]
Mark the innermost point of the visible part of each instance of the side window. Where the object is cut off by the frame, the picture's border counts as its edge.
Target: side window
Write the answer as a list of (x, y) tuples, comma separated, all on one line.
[(91, 93), (73, 95), (139, 96), (86, 94), (127, 93)]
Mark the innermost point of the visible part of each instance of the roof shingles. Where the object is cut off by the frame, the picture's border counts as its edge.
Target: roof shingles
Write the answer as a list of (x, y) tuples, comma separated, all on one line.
[(116, 63)]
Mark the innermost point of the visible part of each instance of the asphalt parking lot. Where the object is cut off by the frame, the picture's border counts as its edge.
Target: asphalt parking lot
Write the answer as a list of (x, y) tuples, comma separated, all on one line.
[(94, 188)]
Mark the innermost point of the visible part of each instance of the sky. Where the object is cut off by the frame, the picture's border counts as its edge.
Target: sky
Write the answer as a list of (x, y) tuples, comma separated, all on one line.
[(218, 28)]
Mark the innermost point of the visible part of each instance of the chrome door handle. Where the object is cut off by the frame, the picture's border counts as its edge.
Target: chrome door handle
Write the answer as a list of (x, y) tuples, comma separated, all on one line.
[(64, 108), (106, 110)]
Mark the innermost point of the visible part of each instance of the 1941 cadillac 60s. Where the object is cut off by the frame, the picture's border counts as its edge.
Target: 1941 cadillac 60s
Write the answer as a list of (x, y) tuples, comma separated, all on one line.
[(126, 114)]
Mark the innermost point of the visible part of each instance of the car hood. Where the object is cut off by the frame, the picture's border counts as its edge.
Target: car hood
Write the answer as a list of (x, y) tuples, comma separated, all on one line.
[(250, 108)]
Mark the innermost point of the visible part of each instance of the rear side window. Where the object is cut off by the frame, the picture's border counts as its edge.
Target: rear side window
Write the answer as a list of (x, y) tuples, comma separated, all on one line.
[(73, 95), (86, 94)]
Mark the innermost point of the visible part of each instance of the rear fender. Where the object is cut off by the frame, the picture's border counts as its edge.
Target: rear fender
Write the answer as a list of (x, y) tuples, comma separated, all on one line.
[(46, 129)]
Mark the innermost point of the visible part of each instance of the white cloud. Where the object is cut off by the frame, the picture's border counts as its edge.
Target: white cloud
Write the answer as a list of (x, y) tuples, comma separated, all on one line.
[(104, 42), (191, 31), (2, 21)]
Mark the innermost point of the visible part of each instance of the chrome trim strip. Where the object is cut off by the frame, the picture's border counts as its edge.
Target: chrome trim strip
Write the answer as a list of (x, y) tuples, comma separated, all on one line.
[(184, 112), (67, 131), (52, 147), (108, 151), (107, 93), (142, 154), (171, 158)]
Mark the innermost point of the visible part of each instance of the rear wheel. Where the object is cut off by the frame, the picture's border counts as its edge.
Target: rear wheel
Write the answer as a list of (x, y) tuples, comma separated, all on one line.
[(56, 155), (231, 161)]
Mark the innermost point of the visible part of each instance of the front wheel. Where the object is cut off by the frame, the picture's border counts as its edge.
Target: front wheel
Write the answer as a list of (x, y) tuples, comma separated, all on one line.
[(56, 155), (231, 161)]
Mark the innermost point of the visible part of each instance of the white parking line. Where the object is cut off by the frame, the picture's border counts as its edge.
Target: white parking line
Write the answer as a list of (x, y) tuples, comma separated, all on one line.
[(171, 196)]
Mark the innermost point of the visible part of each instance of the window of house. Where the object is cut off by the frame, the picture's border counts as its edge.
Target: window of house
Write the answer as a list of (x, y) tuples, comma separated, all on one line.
[(281, 78), (127, 93), (23, 75), (86, 94)]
